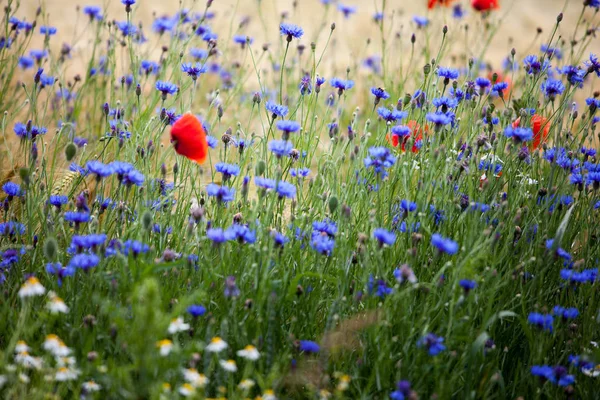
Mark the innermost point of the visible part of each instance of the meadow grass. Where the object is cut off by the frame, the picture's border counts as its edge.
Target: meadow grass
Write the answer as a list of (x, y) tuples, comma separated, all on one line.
[(420, 225)]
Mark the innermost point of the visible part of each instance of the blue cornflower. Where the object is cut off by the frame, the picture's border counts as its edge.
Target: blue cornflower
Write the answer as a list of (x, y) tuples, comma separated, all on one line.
[(288, 126), (164, 24), (305, 85), (421, 22), (483, 83), (149, 67), (240, 233), (534, 66), (128, 4), (300, 172), (135, 248), (193, 70), (281, 148), (83, 261), (77, 217), (242, 40), (408, 206), (308, 346), (346, 10), (223, 194), (264, 183), (38, 55), (322, 243), (285, 189), (216, 235), (276, 110), (519, 135), (457, 11), (291, 31), (28, 131), (401, 131), (341, 85), (133, 177), (12, 190), (552, 88), (440, 119), (498, 89), (593, 64), (419, 98), (447, 73), (557, 375), (433, 343), (380, 94), (99, 169), (559, 252), (391, 115), (94, 12), (196, 310), (380, 158), (121, 168), (443, 244), (279, 239), (592, 4), (384, 237), (542, 321), (60, 271), (166, 88), (168, 116), (231, 289), (228, 170), (467, 285), (445, 103), (48, 30), (593, 104), (58, 201), (565, 313), (574, 74), (25, 62), (402, 392), (79, 243), (212, 141), (11, 228), (198, 54), (127, 28), (551, 51)]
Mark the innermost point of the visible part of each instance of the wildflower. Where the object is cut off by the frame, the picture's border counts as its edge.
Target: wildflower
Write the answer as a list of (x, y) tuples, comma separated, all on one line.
[(228, 170), (83, 261), (177, 325), (439, 119), (48, 30), (11, 228), (484, 5), (519, 135), (164, 347), (435, 3), (276, 110), (216, 345), (240, 233), (229, 365), (25, 62), (421, 22), (346, 10), (593, 64), (56, 346), (127, 28), (458, 12), (405, 274), (12, 190), (285, 189), (384, 237), (552, 88), (246, 384), (540, 126), (433, 344), (379, 159), (196, 310), (309, 346), (565, 313), (193, 70), (551, 52), (166, 88), (542, 321), (249, 353), (574, 74), (557, 375), (66, 374), (216, 235), (380, 94), (31, 287), (231, 289), (341, 85), (187, 390), (498, 89), (135, 248), (194, 378), (22, 347), (223, 194), (467, 285), (444, 245), (57, 305), (291, 31), (445, 103), (402, 392), (90, 387), (300, 173), (94, 12), (448, 74), (58, 201), (281, 148), (391, 115), (288, 127), (60, 271)]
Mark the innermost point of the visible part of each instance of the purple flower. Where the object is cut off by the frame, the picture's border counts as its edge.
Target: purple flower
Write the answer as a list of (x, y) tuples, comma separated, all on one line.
[(433, 344), (193, 70), (231, 289)]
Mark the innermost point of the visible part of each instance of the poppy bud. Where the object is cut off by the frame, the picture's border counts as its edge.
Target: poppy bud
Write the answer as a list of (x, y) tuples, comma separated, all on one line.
[(147, 220), (50, 249), (333, 204), (70, 151), (427, 69), (260, 168)]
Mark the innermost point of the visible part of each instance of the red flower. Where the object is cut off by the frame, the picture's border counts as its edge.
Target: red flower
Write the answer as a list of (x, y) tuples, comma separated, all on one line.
[(417, 134), (537, 123), (189, 138), (432, 3), (485, 5)]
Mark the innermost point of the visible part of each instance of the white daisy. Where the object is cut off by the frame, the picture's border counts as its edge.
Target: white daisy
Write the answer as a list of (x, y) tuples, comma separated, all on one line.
[(216, 345), (21, 347), (57, 305), (165, 346), (66, 374), (269, 395), (246, 384), (31, 287), (229, 365), (177, 325), (194, 378), (27, 361), (91, 386), (249, 353), (187, 390)]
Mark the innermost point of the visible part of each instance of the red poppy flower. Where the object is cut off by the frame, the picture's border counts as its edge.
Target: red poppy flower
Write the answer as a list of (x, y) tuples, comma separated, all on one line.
[(433, 3), (416, 133), (189, 138), (485, 5), (537, 124)]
